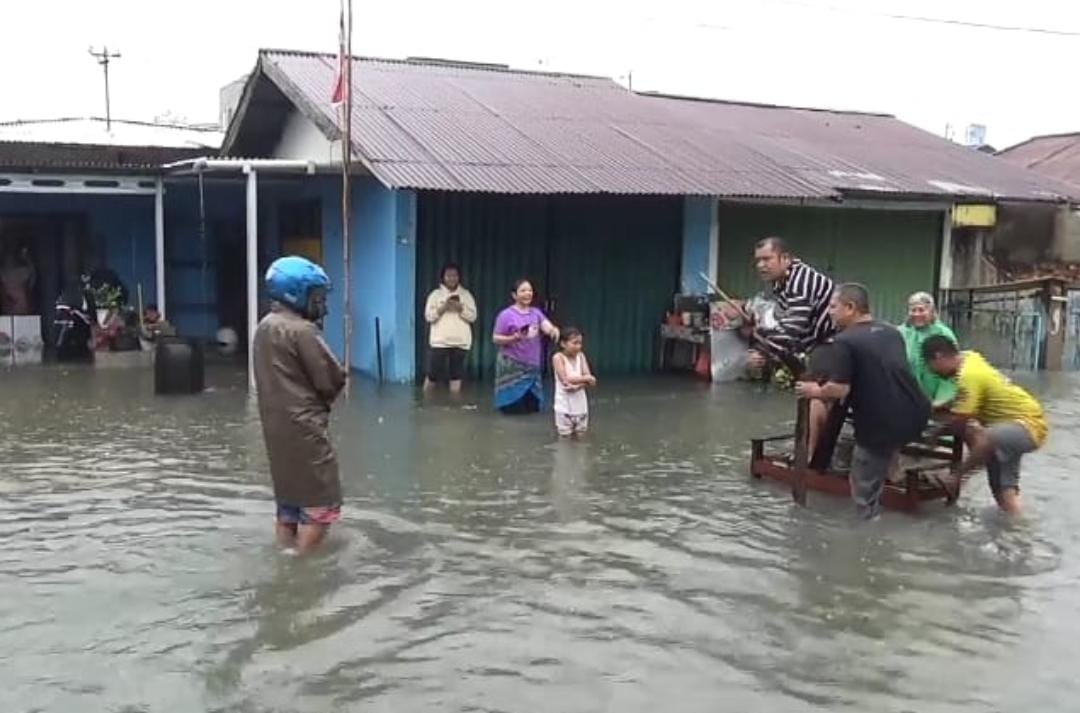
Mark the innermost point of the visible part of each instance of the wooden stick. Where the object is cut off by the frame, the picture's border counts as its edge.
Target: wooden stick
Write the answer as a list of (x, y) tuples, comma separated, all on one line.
[(802, 447), (138, 292), (723, 295)]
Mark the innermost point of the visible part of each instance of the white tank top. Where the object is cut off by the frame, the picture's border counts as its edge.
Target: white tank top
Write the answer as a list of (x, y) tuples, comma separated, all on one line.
[(574, 403)]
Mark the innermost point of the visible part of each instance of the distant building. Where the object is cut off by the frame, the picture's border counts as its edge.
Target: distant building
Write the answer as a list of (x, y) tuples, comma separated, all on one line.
[(1054, 155), (76, 195), (228, 100), (1043, 235)]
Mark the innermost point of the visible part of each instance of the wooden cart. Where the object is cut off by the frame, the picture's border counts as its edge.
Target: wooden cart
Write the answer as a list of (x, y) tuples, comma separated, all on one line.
[(926, 479)]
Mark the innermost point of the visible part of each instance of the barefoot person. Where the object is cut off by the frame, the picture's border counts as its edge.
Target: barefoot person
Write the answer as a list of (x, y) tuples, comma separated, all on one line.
[(450, 311), (999, 420), (572, 377), (869, 364), (298, 378)]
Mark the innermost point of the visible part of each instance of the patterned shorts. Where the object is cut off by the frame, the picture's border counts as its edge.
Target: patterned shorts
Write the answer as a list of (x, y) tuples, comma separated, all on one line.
[(319, 515), (571, 424)]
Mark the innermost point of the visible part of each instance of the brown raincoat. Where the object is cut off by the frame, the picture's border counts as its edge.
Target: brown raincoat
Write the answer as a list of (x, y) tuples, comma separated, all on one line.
[(298, 378)]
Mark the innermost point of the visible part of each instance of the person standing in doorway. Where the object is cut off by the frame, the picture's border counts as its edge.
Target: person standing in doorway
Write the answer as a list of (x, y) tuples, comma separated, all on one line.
[(519, 332), (17, 281), (298, 379), (450, 312), (868, 363)]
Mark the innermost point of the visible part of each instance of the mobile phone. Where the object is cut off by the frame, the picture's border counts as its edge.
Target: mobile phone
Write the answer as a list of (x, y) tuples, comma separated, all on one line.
[(524, 330), (454, 298)]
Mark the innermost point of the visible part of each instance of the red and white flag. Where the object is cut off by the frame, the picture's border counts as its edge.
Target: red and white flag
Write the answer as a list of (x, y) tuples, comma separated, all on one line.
[(341, 89)]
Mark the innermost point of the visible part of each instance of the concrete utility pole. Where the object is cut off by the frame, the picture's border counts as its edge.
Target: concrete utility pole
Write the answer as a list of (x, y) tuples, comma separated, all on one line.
[(103, 58)]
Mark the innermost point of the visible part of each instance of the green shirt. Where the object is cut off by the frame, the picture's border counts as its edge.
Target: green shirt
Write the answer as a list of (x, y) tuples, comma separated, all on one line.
[(940, 391)]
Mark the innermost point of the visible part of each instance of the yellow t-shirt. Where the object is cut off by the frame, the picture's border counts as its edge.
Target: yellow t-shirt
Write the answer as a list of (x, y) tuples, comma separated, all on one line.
[(988, 395)]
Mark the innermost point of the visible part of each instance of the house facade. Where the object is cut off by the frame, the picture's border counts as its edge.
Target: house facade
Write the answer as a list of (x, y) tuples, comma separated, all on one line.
[(610, 201)]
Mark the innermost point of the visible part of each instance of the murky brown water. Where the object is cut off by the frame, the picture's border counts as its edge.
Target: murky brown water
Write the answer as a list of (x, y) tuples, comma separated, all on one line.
[(482, 566)]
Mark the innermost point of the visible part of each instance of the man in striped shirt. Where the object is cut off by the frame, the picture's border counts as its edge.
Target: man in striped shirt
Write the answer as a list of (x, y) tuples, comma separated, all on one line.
[(802, 295)]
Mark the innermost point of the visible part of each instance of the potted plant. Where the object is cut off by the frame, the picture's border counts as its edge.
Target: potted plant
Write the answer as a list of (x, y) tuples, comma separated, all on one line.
[(106, 299)]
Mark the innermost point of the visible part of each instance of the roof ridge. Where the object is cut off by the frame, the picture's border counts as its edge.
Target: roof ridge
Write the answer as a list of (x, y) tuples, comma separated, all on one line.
[(492, 67), (205, 127), (761, 105), (1039, 137)]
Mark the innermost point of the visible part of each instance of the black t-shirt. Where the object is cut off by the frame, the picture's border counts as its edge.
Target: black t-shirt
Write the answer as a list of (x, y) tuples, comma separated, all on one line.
[(888, 407)]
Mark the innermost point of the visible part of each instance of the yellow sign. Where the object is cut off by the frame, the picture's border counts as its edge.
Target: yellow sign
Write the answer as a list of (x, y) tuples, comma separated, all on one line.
[(970, 215)]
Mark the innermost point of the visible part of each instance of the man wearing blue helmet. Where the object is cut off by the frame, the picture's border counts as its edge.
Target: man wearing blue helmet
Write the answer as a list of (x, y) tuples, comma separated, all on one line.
[(298, 378)]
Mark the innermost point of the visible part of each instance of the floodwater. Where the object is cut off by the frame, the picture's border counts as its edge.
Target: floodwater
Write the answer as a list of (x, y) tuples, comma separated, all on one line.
[(482, 566)]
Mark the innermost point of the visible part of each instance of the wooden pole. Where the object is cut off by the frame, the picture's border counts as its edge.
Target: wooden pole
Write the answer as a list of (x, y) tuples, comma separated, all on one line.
[(802, 447), (378, 351), (346, 186)]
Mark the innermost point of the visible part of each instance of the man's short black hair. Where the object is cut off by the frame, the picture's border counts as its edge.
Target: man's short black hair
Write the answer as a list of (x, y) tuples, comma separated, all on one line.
[(856, 295), (938, 346), (777, 244)]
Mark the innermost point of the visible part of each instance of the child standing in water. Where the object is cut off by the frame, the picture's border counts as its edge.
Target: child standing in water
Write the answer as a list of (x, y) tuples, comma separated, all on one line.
[(572, 377)]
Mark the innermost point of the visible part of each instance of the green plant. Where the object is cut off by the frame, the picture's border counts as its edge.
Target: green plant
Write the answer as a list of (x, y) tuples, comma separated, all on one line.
[(107, 296)]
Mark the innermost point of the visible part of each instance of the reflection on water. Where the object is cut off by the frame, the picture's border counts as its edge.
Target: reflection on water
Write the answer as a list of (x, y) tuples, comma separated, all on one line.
[(484, 565)]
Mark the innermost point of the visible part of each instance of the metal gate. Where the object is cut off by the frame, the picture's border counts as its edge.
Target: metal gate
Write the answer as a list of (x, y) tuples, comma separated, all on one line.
[(1006, 324), (1072, 335)]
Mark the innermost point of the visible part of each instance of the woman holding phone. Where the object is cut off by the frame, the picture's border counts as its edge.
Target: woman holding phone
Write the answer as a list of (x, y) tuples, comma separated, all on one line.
[(519, 332), (450, 312)]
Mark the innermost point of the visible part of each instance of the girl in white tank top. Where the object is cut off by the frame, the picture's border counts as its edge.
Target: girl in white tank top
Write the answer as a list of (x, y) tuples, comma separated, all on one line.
[(572, 378)]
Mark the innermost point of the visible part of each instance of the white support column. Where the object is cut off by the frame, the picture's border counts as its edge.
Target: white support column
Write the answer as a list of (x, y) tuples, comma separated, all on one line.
[(714, 241), (945, 273), (252, 268), (159, 244)]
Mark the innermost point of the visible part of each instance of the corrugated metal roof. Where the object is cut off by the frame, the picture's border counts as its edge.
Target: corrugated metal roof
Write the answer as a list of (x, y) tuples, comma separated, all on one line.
[(1056, 156), (92, 131), (435, 126), (25, 155)]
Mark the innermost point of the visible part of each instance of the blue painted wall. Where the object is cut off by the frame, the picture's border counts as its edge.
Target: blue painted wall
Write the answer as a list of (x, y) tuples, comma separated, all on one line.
[(383, 267), (191, 258), (120, 229), (698, 215)]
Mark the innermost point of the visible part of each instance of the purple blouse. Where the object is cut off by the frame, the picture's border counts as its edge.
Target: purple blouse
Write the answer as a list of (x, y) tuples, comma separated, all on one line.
[(528, 351)]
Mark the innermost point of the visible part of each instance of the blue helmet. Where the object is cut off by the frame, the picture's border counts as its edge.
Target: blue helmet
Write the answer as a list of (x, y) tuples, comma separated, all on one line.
[(291, 279)]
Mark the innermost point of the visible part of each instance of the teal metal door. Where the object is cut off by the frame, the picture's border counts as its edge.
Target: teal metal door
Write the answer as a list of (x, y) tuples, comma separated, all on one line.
[(614, 268), (606, 264)]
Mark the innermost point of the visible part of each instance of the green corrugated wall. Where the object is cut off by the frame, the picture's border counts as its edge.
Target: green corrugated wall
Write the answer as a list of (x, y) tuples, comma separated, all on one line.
[(894, 253), (606, 264)]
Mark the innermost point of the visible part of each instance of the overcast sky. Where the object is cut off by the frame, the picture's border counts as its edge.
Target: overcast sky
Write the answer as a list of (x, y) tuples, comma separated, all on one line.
[(831, 53)]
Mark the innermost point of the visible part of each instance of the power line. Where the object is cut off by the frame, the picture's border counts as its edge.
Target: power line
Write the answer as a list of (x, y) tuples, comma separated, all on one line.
[(936, 20), (104, 57)]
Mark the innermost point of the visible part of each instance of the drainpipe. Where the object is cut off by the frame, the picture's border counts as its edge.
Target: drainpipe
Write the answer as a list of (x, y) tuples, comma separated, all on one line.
[(252, 268)]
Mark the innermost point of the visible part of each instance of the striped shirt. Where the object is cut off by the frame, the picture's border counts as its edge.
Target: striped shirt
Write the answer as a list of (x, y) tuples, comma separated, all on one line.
[(803, 298)]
